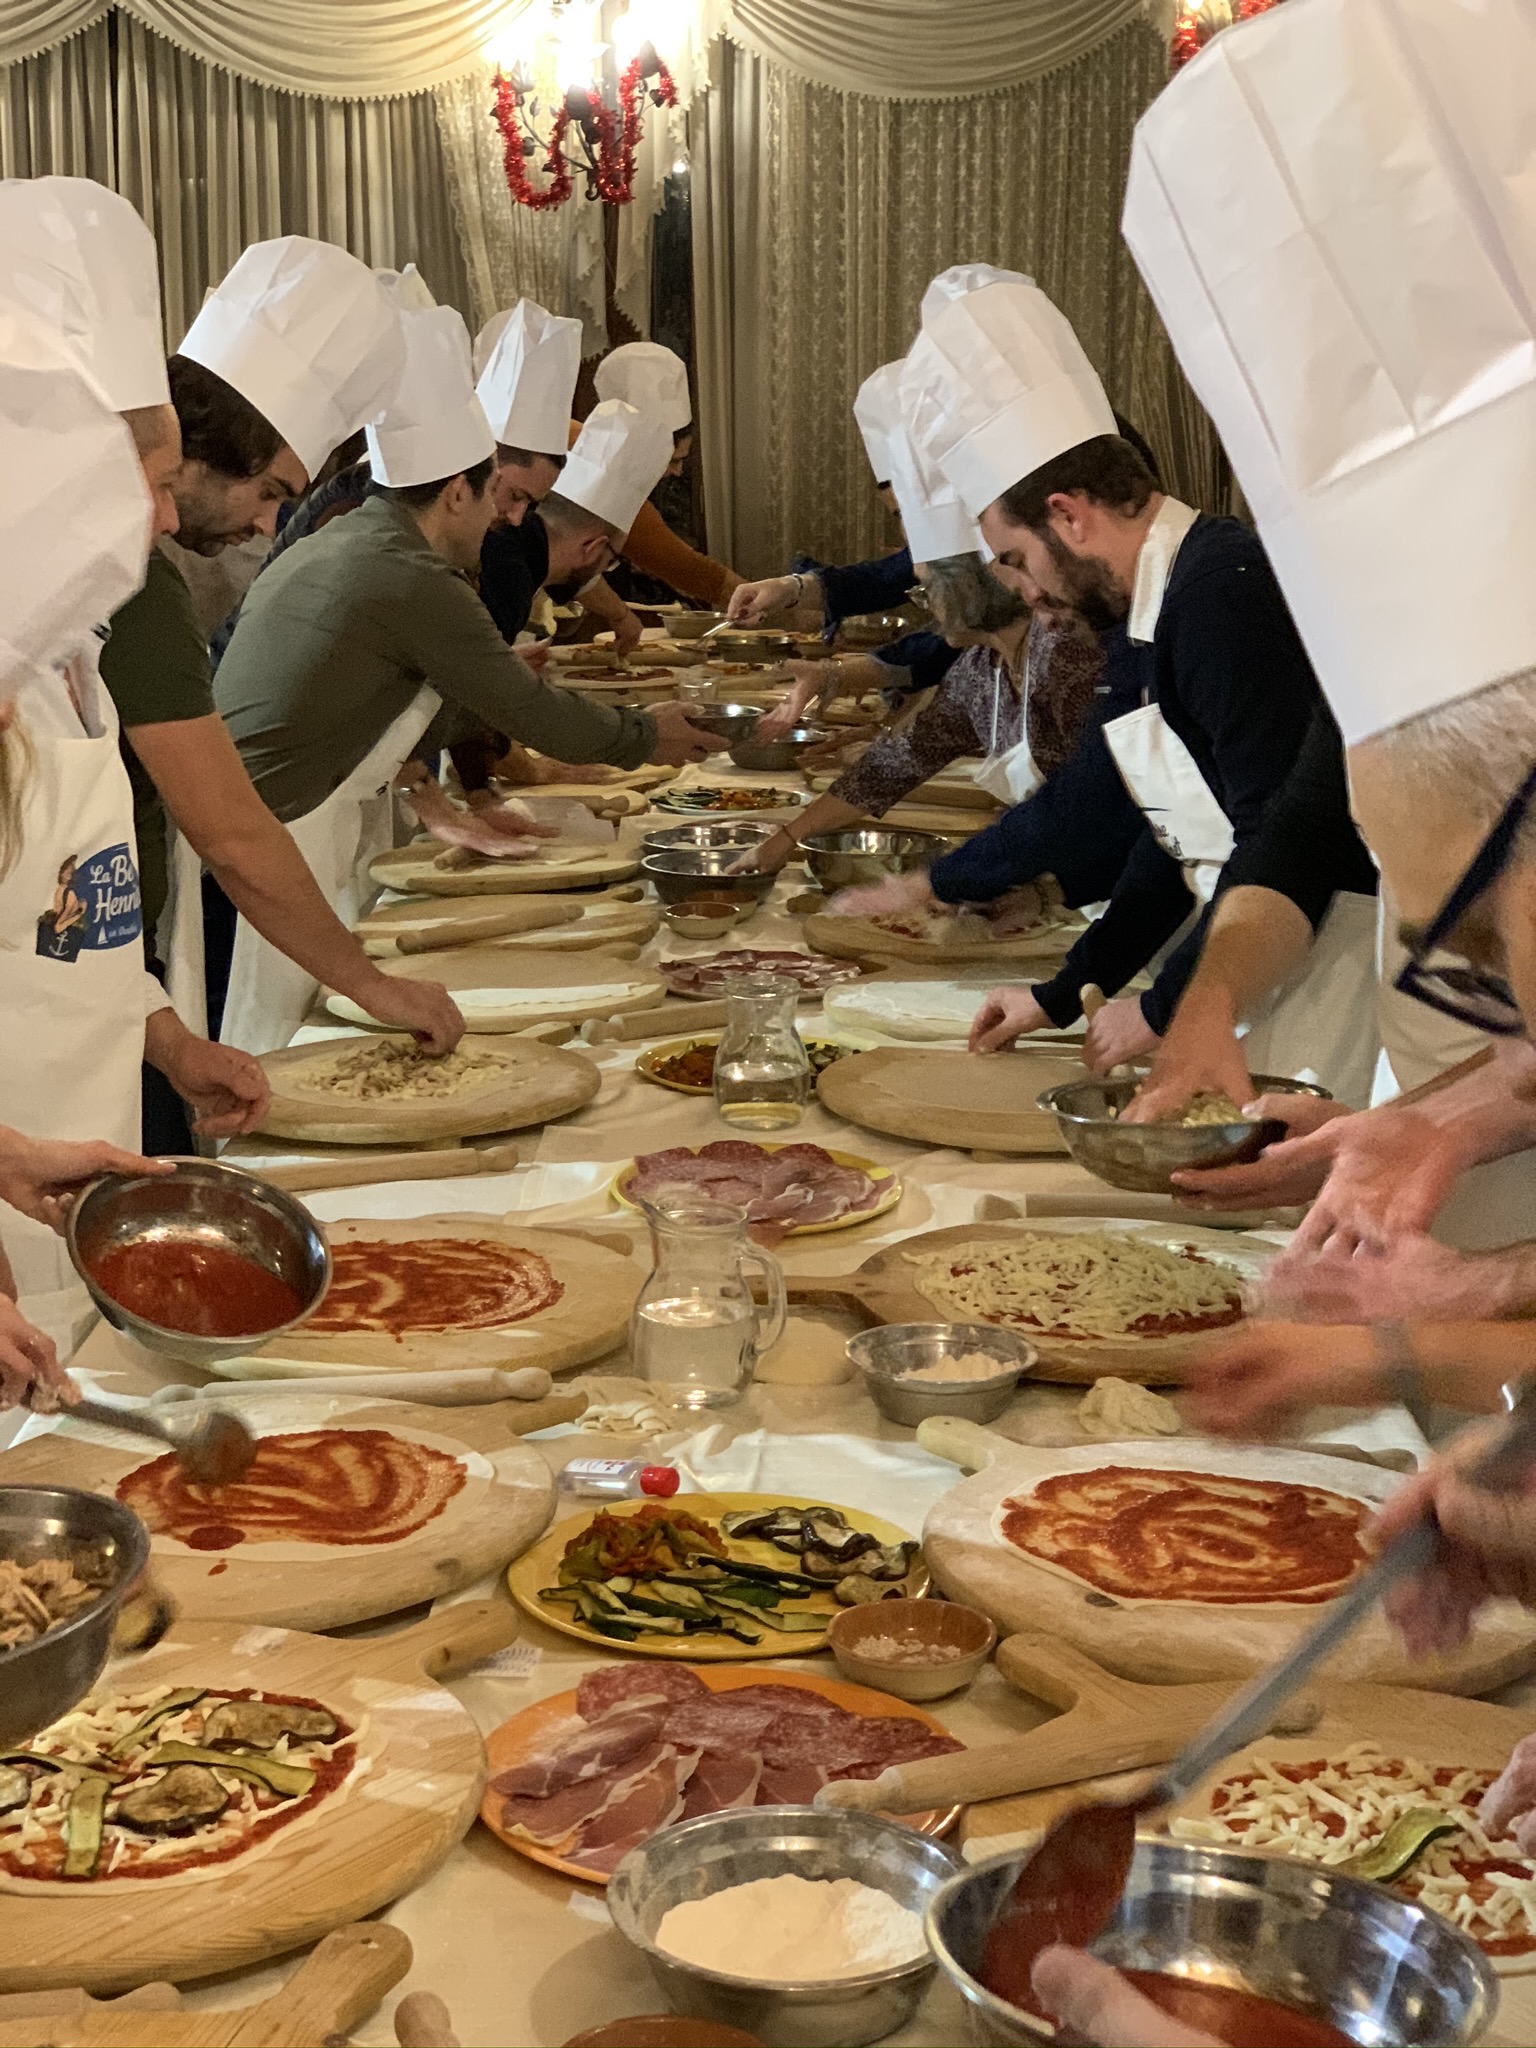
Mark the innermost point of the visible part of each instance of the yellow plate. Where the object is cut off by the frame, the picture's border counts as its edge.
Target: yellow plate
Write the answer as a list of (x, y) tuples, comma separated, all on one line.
[(539, 1567), (650, 1060), (773, 799), (618, 1187)]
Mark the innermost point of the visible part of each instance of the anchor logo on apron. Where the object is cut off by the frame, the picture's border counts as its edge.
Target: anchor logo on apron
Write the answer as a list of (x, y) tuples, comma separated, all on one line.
[(96, 905)]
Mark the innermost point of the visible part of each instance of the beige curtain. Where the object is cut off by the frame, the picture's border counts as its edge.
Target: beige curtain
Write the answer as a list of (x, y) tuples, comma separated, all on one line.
[(214, 162), (819, 217)]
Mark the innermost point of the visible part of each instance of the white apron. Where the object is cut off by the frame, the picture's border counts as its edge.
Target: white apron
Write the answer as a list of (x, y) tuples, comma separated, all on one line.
[(71, 963), (269, 994), (1010, 774), (1493, 1204), (1323, 1020)]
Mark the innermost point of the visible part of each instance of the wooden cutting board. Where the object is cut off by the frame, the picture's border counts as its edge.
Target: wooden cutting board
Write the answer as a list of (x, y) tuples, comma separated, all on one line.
[(1163, 1642), (883, 1291), (563, 985), (534, 1084), (863, 938), (590, 1317), (504, 1505), (379, 1837), (982, 1101), (414, 871)]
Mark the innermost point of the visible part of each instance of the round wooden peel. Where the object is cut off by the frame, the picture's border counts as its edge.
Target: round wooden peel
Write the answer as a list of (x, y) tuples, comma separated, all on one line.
[(558, 979), (414, 870), (983, 1101), (534, 1084), (864, 938), (884, 1290), (316, 1585)]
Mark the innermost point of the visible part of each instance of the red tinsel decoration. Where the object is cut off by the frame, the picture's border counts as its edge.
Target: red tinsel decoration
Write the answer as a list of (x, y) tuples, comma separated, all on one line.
[(508, 105), (1185, 43)]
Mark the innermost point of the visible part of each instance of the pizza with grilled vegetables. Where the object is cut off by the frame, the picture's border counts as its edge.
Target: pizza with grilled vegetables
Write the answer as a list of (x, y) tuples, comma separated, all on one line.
[(172, 1782)]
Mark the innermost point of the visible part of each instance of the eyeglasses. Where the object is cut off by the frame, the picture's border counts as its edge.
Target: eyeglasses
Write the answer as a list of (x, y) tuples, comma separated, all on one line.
[(1466, 993)]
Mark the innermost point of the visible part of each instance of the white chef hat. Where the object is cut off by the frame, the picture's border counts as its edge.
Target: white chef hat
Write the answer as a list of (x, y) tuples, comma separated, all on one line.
[(408, 288), (620, 456), (997, 385), (877, 408), (529, 380), (961, 278), (74, 507), (80, 258), (650, 378), (434, 426), (486, 340), (308, 336), (1334, 210)]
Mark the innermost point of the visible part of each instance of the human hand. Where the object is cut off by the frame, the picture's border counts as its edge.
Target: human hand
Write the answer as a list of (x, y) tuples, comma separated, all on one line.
[(226, 1089), (627, 631), (1193, 1058), (889, 898), (496, 831), (679, 740), (1290, 1171), (1390, 1172), (1092, 2002), (750, 602), (535, 653), (1020, 907), (1409, 1278), (784, 717), (767, 858), (1005, 1014), (1509, 1805), (1117, 1033), (42, 1176), (1260, 1378), (30, 1371), (424, 1008)]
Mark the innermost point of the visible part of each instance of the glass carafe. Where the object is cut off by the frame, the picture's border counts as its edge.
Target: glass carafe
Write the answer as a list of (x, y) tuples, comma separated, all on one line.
[(762, 1072), (696, 1332)]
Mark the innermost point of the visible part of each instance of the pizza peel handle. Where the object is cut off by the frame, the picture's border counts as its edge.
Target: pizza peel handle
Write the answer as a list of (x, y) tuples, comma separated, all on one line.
[(448, 1642)]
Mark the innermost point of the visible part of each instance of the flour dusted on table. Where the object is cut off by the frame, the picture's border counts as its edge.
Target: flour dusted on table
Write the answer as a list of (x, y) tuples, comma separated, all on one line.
[(793, 1930)]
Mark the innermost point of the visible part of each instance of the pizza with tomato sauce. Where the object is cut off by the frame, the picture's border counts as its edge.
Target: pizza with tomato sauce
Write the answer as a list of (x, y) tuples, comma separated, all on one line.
[(1086, 1285), (1146, 1535), (431, 1284)]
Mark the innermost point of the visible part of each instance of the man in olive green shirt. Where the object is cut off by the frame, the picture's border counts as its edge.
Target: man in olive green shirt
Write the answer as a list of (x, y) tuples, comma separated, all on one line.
[(337, 637)]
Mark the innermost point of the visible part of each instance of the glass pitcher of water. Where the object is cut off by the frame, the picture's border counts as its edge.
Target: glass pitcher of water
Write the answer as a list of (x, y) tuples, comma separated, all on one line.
[(696, 1332), (762, 1070)]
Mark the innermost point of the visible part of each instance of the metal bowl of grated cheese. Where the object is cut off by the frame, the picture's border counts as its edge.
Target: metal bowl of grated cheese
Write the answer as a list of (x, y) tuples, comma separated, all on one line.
[(914, 1370), (1144, 1157)]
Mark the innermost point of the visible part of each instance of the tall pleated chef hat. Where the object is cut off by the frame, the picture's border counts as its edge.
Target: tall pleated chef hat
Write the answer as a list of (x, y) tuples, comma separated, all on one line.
[(877, 408), (81, 259), (74, 508), (408, 289), (434, 426), (997, 385), (306, 334), (620, 456), (650, 378), (529, 380), (1334, 209), (961, 278), (487, 338)]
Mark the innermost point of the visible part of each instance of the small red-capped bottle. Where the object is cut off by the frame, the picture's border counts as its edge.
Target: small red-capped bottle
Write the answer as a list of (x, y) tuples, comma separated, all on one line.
[(617, 1479)]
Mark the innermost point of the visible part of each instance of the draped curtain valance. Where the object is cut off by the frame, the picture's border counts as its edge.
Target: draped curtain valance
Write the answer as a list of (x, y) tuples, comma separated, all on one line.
[(382, 49)]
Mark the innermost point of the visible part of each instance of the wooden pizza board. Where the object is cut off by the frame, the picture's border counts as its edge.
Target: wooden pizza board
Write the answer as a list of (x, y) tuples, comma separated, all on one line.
[(977, 1101), (539, 1082), (861, 938), (882, 1291), (314, 1585), (590, 1318), (522, 1736), (379, 1837), (558, 977), (1162, 1642), (540, 1566), (413, 871)]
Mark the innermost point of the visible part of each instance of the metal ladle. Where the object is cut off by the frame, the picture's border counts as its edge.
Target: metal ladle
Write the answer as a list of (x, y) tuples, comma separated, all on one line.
[(214, 1449)]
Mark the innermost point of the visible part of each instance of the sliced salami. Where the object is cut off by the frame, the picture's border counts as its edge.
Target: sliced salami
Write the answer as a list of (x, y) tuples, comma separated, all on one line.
[(612, 1685), (786, 1186)]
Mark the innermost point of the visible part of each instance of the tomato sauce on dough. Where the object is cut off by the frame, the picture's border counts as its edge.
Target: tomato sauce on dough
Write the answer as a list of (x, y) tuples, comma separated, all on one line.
[(203, 1290)]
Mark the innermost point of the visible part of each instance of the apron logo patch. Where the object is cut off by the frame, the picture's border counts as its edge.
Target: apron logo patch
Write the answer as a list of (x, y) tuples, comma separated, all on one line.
[(96, 905)]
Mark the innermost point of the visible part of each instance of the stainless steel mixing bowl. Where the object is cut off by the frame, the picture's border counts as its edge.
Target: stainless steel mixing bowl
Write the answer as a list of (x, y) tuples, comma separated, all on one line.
[(1378, 1968), (1144, 1156), (884, 1354), (738, 832), (43, 1679), (726, 721), (753, 644), (691, 625), (865, 854), (719, 1850), (769, 757), (203, 1202), (681, 872)]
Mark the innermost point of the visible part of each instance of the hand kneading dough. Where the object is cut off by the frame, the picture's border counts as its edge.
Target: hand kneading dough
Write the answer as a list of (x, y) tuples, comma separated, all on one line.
[(809, 1354)]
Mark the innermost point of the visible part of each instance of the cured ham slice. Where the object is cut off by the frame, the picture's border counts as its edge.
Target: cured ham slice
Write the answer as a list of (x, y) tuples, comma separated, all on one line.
[(720, 1783), (552, 1820), (650, 1803), (578, 1749), (784, 1188)]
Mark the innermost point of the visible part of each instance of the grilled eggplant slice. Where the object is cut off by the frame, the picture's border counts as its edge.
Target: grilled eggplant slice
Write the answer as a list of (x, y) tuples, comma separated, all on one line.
[(889, 1561), (289, 1781), (262, 1724), (15, 1788), (173, 1703), (178, 1802), (826, 1530)]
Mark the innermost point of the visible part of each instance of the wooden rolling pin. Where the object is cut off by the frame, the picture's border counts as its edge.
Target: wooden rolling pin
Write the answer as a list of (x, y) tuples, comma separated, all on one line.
[(473, 931), (682, 1023), (423, 2021), (452, 1163), (460, 1388)]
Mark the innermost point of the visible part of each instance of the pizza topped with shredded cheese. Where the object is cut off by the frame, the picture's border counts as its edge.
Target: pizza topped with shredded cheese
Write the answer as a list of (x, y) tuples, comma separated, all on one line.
[(1085, 1285), (390, 1070), (1327, 1809)]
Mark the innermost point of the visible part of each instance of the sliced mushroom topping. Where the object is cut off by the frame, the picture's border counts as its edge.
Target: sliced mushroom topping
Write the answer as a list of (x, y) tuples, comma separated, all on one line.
[(261, 1724), (187, 1797)]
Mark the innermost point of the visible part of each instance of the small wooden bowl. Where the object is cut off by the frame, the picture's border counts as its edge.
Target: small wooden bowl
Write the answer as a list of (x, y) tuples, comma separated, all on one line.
[(931, 1623), (705, 917)]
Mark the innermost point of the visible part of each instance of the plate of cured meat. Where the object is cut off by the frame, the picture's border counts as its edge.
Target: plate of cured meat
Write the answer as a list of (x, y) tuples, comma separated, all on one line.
[(786, 1190), (580, 1779), (703, 979), (713, 1578)]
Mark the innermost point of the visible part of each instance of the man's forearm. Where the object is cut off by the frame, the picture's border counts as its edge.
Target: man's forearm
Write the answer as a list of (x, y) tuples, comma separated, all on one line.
[(269, 882), (1255, 941)]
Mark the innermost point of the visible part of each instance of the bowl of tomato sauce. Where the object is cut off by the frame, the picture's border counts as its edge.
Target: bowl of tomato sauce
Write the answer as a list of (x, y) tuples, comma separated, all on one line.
[(1254, 1951), (205, 1263)]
